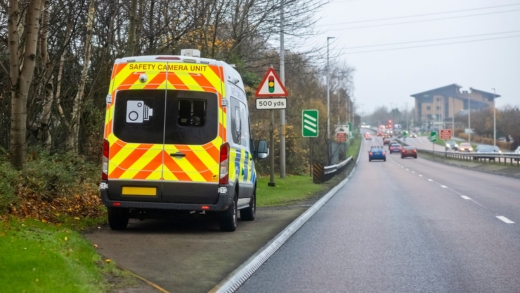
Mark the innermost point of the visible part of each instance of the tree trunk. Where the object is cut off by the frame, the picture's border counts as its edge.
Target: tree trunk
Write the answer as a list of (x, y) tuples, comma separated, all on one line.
[(21, 78), (60, 75), (73, 139), (44, 135), (131, 29)]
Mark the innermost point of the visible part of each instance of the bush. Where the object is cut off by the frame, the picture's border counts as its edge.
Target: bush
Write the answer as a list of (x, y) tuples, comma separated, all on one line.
[(50, 187), (9, 178), (58, 175)]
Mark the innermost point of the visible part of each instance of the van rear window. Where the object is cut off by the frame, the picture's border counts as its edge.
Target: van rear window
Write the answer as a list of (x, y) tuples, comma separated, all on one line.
[(175, 117)]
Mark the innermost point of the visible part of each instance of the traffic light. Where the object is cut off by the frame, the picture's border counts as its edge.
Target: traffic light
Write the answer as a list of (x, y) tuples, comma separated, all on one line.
[(271, 84)]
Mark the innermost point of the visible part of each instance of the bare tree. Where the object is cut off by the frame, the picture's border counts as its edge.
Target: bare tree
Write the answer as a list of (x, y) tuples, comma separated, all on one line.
[(73, 138), (44, 135), (21, 72)]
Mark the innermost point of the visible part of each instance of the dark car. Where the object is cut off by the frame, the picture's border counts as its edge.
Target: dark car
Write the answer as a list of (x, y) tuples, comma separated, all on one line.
[(395, 148), (450, 144), (409, 151), (376, 153), (487, 152), (386, 140)]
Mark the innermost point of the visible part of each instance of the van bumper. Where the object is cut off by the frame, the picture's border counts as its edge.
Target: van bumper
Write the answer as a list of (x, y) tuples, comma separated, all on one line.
[(224, 199)]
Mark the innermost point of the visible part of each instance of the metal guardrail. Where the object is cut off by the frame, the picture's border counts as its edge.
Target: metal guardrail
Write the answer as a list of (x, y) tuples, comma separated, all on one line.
[(322, 173), (512, 158), (499, 158)]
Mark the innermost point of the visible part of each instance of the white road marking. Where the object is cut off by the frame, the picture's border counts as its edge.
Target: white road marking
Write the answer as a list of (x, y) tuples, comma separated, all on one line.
[(444, 186), (505, 220), (407, 170), (413, 172), (420, 175), (430, 180), (465, 197)]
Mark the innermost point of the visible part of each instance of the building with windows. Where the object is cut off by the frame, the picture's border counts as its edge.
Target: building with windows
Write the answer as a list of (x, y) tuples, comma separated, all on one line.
[(441, 104)]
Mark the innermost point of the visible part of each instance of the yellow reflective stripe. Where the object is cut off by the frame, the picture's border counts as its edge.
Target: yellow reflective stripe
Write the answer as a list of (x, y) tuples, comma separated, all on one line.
[(203, 155), (188, 81), (168, 174), (190, 170), (232, 165), (150, 77), (140, 163), (242, 164), (214, 80)]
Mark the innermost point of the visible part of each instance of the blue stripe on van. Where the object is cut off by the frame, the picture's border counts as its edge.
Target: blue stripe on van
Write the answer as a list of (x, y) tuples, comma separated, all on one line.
[(246, 163)]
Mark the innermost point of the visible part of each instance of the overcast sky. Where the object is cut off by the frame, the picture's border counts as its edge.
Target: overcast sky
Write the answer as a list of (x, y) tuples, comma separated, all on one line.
[(389, 77)]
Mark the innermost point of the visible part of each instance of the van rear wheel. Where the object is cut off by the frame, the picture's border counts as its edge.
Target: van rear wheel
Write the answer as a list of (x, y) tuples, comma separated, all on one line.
[(248, 214), (228, 219), (118, 218)]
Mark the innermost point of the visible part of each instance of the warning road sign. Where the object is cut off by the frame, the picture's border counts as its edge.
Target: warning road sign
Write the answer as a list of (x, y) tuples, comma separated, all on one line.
[(271, 86)]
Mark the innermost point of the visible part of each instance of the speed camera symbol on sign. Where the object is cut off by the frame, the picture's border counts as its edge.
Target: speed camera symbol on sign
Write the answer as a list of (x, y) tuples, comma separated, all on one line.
[(137, 112)]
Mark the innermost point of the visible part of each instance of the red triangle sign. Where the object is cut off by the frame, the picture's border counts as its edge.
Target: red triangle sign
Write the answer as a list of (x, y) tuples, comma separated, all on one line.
[(271, 86)]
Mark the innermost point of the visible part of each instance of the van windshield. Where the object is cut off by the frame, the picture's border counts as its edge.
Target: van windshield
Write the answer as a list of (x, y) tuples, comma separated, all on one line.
[(172, 117)]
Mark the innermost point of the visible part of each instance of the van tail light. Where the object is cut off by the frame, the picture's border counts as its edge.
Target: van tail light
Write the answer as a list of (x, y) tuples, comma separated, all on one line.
[(224, 164), (104, 163)]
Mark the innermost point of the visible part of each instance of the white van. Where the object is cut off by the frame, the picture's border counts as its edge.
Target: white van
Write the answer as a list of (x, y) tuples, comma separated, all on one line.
[(177, 139)]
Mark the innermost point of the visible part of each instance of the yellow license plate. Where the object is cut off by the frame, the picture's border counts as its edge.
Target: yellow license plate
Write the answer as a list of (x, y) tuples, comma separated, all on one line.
[(140, 191)]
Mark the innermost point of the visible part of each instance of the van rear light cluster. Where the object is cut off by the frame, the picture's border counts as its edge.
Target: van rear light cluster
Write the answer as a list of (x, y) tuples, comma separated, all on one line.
[(104, 162), (224, 164)]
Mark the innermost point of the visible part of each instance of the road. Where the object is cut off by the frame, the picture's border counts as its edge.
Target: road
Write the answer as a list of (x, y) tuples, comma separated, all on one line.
[(404, 225), (423, 142)]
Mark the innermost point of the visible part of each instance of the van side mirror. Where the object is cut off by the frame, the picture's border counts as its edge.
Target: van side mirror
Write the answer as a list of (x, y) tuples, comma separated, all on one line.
[(262, 151)]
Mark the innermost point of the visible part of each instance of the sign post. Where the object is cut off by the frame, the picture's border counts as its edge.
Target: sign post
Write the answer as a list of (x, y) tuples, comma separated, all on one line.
[(270, 87)]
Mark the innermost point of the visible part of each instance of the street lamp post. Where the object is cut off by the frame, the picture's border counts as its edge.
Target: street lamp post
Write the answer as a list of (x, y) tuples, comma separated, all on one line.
[(469, 119), (494, 120), (452, 118), (328, 89), (328, 103)]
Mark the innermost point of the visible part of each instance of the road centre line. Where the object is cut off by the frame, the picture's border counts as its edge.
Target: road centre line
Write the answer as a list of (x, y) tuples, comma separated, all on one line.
[(465, 197), (444, 186), (505, 220), (430, 180)]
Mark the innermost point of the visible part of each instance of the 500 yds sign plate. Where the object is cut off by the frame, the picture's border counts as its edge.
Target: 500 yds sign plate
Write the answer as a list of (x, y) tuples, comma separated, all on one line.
[(271, 103)]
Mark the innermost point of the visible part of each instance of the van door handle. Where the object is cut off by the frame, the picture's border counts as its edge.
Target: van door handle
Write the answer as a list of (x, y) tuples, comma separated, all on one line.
[(178, 154)]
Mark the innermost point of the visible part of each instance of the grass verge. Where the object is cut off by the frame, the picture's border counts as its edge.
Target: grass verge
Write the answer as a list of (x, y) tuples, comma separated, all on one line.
[(44, 257), (295, 188)]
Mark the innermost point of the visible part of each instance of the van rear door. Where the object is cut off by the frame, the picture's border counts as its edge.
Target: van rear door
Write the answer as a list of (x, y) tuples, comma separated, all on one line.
[(165, 127)]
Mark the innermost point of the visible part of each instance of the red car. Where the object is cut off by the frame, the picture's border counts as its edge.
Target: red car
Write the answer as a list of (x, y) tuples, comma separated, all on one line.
[(409, 151), (395, 148)]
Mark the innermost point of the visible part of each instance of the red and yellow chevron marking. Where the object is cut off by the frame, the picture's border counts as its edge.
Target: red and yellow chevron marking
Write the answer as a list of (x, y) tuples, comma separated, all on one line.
[(133, 161)]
